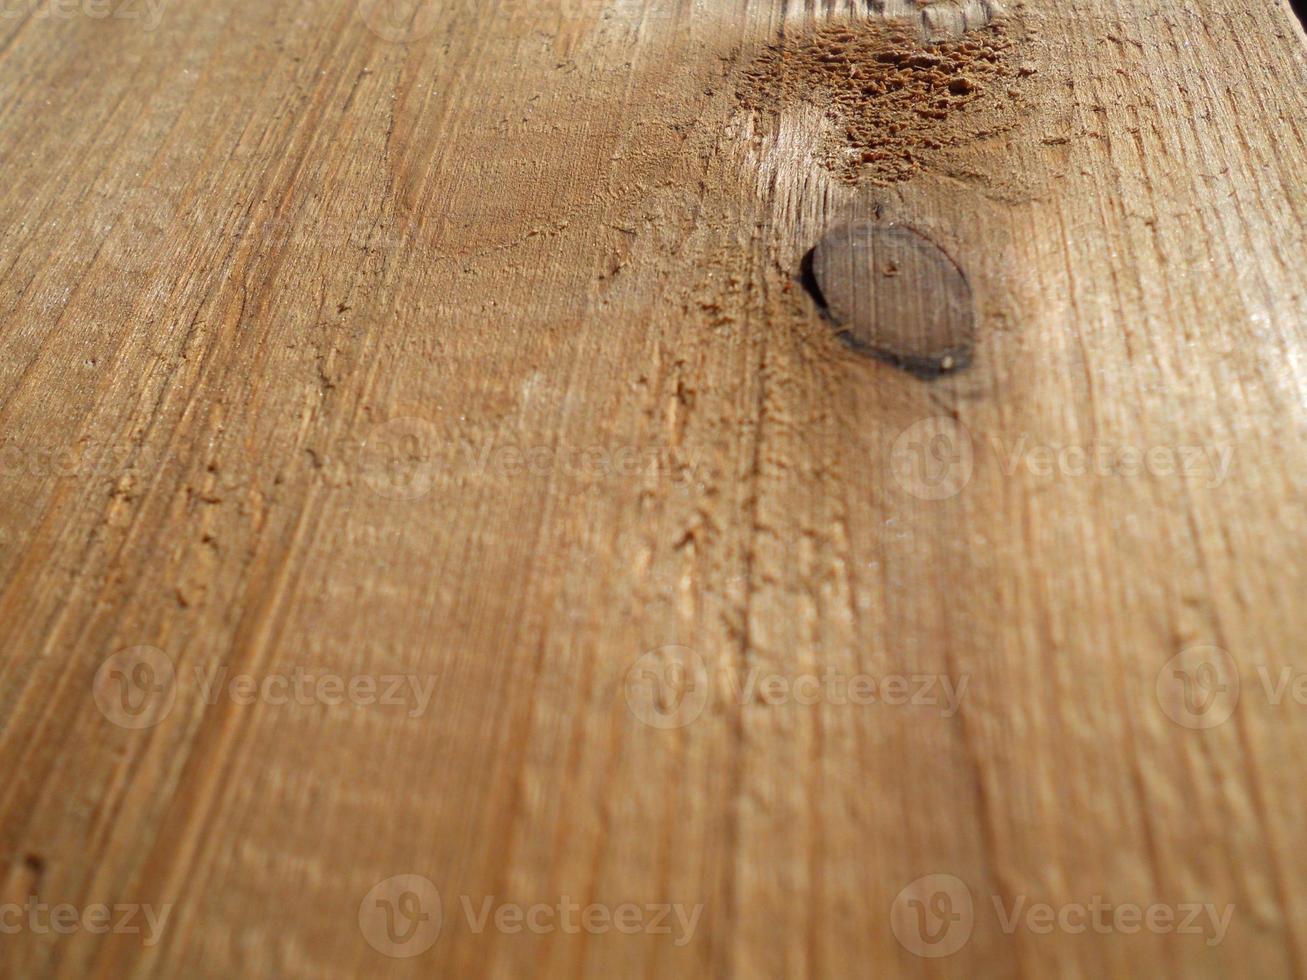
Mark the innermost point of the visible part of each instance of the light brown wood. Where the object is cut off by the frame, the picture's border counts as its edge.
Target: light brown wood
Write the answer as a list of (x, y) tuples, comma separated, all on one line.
[(471, 349)]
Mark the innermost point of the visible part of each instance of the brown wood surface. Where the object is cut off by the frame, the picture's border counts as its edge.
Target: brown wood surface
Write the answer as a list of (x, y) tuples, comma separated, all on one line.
[(476, 352), (894, 294)]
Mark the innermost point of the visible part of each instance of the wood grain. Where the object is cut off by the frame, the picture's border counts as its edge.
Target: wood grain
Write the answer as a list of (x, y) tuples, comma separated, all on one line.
[(468, 347)]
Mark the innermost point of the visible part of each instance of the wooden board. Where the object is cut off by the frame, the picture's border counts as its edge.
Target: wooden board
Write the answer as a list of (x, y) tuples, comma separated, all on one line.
[(473, 351)]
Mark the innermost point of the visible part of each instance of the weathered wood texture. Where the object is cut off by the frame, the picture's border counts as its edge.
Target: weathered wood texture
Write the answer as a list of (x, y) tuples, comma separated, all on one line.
[(320, 344)]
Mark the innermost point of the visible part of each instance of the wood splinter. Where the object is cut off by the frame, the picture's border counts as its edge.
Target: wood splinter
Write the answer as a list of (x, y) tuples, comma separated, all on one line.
[(896, 295)]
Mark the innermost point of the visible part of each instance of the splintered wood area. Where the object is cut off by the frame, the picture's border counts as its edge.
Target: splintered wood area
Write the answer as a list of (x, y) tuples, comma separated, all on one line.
[(455, 520)]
